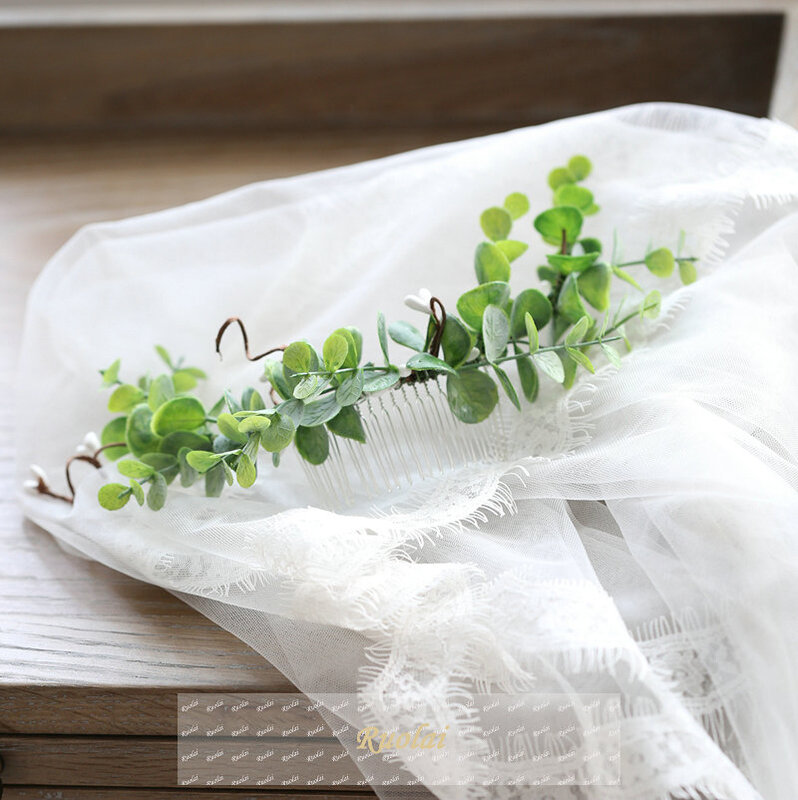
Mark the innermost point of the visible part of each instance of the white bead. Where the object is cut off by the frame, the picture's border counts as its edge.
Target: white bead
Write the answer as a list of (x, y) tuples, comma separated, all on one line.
[(82, 450), (31, 486), (91, 441), (473, 355), (38, 471)]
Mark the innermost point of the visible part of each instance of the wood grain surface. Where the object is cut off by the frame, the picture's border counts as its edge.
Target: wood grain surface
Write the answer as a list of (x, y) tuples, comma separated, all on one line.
[(91, 660), (388, 75)]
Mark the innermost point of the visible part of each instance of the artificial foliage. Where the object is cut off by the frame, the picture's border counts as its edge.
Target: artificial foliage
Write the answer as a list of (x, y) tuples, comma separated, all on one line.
[(161, 432)]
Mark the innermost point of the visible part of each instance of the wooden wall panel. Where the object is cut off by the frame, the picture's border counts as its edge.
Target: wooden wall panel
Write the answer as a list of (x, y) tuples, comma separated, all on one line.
[(494, 73)]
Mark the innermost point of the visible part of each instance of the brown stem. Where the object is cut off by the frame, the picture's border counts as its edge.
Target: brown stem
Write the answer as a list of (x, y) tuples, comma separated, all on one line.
[(227, 323), (89, 460), (43, 488), (440, 324)]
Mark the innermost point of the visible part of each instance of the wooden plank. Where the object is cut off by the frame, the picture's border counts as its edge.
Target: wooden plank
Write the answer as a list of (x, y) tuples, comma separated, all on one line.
[(119, 793), (498, 73)]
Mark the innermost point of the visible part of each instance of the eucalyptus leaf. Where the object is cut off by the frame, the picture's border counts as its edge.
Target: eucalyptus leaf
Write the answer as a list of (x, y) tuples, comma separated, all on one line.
[(507, 385), (528, 376), (137, 491), (495, 332), (294, 409), (378, 383), (612, 354), (279, 434), (114, 431), (456, 341), (660, 262), (113, 496), (178, 414), (517, 204), (590, 245), (298, 357), (577, 333), (309, 386), (347, 423), (188, 475), (580, 358), (687, 272), (532, 333), (202, 461), (551, 224), (320, 411), (559, 176), (161, 390), (131, 468), (496, 222), (251, 400), (125, 398), (490, 263), (164, 354), (273, 373), (138, 431), (313, 444), (229, 427), (382, 335), (549, 363), (214, 480), (472, 395), (350, 389), (594, 285), (246, 474), (650, 307), (625, 276), (407, 335), (184, 380), (173, 442), (335, 350), (421, 362), (570, 194), (569, 302), (568, 264), (472, 304), (512, 249), (156, 496), (530, 301), (580, 167), (256, 423), (111, 374)]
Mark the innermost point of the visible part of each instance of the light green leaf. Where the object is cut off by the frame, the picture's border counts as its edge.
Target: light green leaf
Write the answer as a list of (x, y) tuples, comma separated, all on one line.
[(496, 222), (138, 432), (650, 307), (594, 285), (294, 409), (568, 264), (273, 373), (569, 302), (507, 385), (347, 423), (245, 471), (298, 357), (517, 204), (660, 262), (350, 389), (137, 491), (560, 175), (254, 423), (174, 442), (424, 361), (134, 469), (530, 301), (251, 400), (687, 272), (156, 496), (472, 395), (625, 276), (528, 376), (612, 354), (378, 383), (357, 338), (590, 245), (202, 461), (124, 398), (279, 434), (580, 167), (570, 194), (495, 332), (320, 411), (407, 335), (580, 358), (188, 475), (382, 335), (335, 351), (591, 209), (111, 375), (490, 263), (178, 414), (215, 479), (228, 426), (114, 431), (164, 354), (551, 224), (113, 496), (184, 380), (549, 363), (511, 248), (532, 333), (313, 444), (472, 304), (310, 386), (456, 341), (161, 390), (353, 353), (577, 333)]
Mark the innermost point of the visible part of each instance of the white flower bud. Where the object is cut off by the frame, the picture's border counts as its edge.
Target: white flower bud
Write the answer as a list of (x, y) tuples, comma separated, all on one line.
[(404, 371), (420, 301), (82, 450), (91, 441), (38, 472), (31, 486), (473, 355)]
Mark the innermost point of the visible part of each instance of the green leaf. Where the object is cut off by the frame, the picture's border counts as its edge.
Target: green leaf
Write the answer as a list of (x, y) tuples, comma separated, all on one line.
[(251, 400), (594, 285), (114, 431), (569, 369), (233, 405), (229, 475), (560, 175), (294, 409), (298, 357), (569, 264), (407, 335), (161, 390), (111, 375), (174, 442), (421, 362), (472, 395), (660, 262), (279, 434), (156, 496), (255, 422), (496, 222), (577, 333), (687, 272), (456, 341), (245, 471), (625, 276), (507, 385), (490, 263), (517, 204), (184, 380), (350, 389), (612, 354), (273, 373), (137, 491), (178, 414), (188, 475), (335, 351), (165, 357), (202, 461), (313, 444), (495, 332), (472, 304), (214, 480), (309, 386), (512, 249), (650, 307), (347, 423), (320, 411), (134, 469), (355, 342), (530, 301), (228, 426), (138, 432), (549, 363), (532, 333), (551, 224), (164, 463), (378, 383), (580, 167), (113, 496), (580, 358), (591, 209), (590, 245), (382, 335), (548, 274), (528, 376), (570, 194), (124, 398), (569, 302)]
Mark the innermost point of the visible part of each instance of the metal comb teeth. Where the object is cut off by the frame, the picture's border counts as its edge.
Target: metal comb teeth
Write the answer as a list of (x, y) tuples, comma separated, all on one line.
[(411, 436)]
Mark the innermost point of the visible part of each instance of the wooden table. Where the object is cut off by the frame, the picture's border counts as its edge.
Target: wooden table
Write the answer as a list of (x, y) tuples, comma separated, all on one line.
[(91, 660)]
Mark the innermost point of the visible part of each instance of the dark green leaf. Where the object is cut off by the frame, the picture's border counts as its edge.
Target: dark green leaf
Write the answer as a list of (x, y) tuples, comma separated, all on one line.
[(569, 302), (472, 395), (350, 389), (421, 362), (456, 341), (313, 444), (490, 263), (156, 496), (320, 411), (173, 442), (594, 285), (530, 301), (347, 423), (496, 222), (279, 434), (548, 274), (551, 224), (528, 376), (590, 245), (138, 432), (507, 385), (473, 303)]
